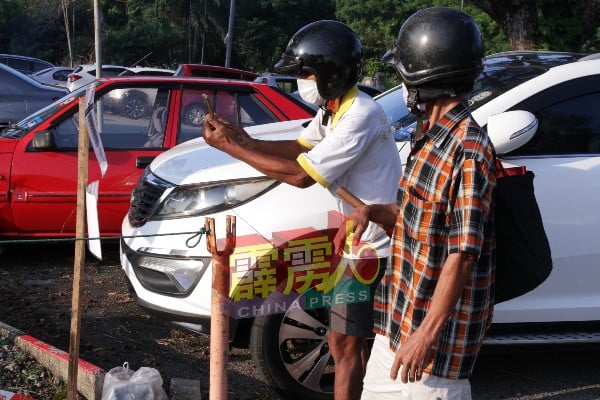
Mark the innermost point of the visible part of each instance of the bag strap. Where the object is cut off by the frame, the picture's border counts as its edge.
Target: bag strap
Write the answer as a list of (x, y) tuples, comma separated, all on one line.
[(502, 171)]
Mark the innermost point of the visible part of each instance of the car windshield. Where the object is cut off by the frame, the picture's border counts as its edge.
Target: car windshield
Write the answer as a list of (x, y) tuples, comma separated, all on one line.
[(18, 130), (501, 73)]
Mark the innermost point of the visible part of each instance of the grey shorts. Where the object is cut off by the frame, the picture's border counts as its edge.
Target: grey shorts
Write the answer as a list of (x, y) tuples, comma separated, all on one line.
[(352, 312)]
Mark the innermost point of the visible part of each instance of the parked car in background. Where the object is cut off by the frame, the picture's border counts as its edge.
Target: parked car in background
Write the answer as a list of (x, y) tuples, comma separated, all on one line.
[(136, 103), (288, 84), (540, 110), (25, 65), (38, 155), (20, 95), (53, 75), (214, 71), (85, 74)]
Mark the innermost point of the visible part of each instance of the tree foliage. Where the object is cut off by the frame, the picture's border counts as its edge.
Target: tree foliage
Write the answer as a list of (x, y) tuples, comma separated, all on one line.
[(168, 32)]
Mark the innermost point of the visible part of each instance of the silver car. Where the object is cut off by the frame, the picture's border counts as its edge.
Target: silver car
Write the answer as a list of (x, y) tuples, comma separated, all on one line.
[(20, 95)]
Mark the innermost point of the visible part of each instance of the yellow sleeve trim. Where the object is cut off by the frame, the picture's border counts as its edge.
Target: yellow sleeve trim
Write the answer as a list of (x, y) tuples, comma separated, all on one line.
[(305, 142), (310, 170)]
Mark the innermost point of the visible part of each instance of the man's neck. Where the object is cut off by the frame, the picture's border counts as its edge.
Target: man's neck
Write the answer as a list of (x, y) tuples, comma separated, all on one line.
[(334, 104), (439, 108)]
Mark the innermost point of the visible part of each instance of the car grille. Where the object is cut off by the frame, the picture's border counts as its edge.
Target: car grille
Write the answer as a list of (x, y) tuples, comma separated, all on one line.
[(146, 197)]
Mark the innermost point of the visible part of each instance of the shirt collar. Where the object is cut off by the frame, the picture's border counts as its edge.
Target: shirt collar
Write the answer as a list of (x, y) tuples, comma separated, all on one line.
[(447, 123), (347, 101)]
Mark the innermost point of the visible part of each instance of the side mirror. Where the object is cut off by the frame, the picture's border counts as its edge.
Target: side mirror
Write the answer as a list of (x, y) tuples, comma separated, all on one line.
[(511, 129), (43, 140)]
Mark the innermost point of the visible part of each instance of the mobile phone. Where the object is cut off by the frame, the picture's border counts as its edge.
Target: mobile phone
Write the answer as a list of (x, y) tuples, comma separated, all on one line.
[(208, 104)]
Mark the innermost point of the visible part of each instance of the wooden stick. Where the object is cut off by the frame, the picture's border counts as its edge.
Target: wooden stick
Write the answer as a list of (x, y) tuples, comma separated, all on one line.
[(349, 197), (79, 262), (219, 319)]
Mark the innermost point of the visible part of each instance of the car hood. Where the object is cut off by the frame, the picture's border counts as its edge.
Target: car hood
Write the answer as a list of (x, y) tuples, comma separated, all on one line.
[(7, 145), (184, 163)]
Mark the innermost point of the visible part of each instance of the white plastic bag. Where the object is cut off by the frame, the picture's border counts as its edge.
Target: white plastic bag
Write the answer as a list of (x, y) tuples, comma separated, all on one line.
[(122, 383)]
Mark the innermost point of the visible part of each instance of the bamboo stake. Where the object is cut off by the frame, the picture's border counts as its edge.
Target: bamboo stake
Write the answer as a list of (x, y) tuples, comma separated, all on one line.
[(219, 319)]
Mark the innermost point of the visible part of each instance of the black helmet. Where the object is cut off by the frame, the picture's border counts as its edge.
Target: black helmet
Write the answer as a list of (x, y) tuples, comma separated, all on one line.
[(438, 48), (328, 49)]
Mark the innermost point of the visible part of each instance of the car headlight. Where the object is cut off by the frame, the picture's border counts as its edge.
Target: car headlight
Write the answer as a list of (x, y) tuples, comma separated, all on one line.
[(191, 200)]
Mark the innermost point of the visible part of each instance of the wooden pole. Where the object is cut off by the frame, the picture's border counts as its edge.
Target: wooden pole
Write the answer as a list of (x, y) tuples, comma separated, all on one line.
[(349, 197), (82, 177), (219, 319)]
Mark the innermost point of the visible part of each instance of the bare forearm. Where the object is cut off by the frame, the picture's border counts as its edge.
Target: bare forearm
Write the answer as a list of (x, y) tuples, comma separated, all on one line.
[(454, 275), (273, 165), (276, 159), (288, 149), (383, 214)]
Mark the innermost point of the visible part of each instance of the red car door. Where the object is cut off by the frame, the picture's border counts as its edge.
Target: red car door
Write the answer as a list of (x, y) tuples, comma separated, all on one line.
[(44, 181)]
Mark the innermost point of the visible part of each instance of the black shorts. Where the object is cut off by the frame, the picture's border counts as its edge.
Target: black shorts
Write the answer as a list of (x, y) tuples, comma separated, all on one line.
[(352, 312)]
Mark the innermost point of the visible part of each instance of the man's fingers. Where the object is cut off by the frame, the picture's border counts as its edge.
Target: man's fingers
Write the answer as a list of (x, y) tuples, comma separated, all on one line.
[(414, 374), (419, 373), (395, 367)]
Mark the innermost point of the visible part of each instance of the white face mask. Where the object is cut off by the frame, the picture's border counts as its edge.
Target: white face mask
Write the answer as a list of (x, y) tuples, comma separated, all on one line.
[(420, 106), (307, 88)]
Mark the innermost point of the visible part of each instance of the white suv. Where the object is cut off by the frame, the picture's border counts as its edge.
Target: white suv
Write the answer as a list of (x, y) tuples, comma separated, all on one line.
[(545, 121)]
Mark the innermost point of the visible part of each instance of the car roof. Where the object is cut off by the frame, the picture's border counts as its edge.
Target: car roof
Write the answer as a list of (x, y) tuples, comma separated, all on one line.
[(147, 71), (532, 58), (6, 70), (141, 79), (89, 66), (6, 58), (210, 70)]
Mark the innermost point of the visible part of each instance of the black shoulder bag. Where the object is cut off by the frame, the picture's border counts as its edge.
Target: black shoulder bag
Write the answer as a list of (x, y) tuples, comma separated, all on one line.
[(523, 258)]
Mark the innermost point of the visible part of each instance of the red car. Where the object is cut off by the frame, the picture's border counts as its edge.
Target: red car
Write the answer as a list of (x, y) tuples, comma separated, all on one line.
[(38, 156), (214, 71)]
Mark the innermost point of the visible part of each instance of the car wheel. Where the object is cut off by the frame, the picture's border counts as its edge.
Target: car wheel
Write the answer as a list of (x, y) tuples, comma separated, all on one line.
[(194, 115), (134, 105), (292, 353)]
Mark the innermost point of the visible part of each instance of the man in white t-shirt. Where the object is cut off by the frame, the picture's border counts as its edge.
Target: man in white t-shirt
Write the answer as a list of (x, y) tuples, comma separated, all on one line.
[(347, 145)]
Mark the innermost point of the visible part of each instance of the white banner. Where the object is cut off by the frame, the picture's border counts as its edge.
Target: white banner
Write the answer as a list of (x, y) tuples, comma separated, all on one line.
[(91, 201), (92, 127)]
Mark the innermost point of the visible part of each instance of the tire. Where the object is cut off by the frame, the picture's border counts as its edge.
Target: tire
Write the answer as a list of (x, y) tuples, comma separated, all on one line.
[(134, 105), (292, 353), (194, 114)]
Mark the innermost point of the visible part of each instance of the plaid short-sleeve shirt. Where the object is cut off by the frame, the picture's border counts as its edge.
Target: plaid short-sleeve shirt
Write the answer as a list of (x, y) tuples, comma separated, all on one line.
[(445, 206)]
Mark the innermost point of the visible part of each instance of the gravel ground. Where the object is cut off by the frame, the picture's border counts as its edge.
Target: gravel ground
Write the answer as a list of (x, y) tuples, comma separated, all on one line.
[(36, 298)]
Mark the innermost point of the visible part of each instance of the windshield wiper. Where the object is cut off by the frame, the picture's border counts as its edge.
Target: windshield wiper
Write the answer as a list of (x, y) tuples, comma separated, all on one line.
[(12, 130)]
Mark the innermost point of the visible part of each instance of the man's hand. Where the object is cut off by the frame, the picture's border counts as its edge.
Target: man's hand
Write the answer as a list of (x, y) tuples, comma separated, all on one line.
[(413, 356), (355, 225), (220, 133)]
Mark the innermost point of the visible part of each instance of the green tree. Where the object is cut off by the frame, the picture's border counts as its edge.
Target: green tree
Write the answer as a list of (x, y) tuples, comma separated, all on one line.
[(263, 28), (167, 32), (547, 24), (378, 21)]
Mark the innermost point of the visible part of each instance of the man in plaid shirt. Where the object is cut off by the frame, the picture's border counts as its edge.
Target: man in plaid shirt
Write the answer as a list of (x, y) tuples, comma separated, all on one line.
[(433, 308)]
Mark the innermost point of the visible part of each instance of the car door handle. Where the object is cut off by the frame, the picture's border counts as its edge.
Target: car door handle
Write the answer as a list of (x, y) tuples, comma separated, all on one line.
[(143, 162)]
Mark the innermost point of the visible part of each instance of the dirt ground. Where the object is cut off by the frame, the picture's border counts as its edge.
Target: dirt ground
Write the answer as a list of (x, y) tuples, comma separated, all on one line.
[(36, 297)]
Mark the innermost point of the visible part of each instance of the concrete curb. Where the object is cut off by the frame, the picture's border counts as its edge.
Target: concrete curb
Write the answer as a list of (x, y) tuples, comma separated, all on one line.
[(90, 378)]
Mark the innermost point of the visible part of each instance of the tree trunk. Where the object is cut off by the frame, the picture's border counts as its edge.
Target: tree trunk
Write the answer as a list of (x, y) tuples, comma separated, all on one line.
[(516, 18)]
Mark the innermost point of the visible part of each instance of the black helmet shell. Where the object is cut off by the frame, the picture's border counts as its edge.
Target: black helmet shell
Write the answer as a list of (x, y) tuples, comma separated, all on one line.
[(328, 49), (438, 46)]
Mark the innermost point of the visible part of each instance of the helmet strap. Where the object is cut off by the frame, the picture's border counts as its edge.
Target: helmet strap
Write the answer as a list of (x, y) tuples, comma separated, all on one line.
[(326, 115), (412, 100)]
